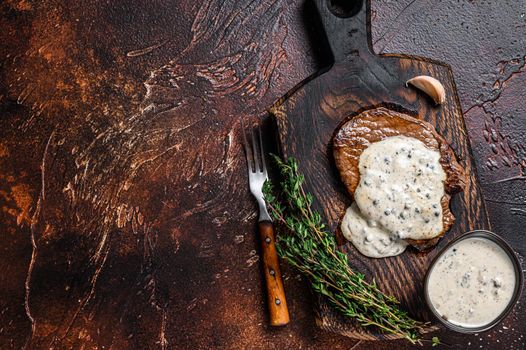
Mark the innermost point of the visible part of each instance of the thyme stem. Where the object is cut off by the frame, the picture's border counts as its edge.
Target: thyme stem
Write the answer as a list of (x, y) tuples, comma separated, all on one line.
[(312, 249)]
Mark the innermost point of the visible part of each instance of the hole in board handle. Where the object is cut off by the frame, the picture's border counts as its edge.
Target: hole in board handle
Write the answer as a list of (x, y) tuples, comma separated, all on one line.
[(344, 8)]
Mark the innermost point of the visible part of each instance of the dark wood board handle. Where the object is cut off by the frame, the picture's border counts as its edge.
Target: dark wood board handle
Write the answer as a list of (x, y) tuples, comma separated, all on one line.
[(277, 303), (345, 26)]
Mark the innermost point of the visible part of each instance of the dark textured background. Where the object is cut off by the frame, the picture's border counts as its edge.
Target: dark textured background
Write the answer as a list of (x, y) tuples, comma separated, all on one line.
[(125, 220)]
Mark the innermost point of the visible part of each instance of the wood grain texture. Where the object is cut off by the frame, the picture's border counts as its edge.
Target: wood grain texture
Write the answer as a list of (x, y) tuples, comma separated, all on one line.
[(276, 300), (309, 116), (95, 254)]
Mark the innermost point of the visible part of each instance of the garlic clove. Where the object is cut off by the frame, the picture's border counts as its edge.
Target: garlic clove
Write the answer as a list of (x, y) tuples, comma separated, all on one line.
[(430, 86)]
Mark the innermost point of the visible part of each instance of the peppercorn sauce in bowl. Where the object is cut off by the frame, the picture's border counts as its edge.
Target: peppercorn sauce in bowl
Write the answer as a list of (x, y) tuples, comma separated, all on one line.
[(473, 283)]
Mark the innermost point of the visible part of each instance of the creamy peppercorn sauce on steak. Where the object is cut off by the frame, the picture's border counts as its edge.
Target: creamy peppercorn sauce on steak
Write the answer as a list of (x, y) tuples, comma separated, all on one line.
[(401, 174)]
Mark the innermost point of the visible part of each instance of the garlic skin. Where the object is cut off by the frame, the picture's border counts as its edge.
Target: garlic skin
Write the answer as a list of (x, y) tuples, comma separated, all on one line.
[(429, 85)]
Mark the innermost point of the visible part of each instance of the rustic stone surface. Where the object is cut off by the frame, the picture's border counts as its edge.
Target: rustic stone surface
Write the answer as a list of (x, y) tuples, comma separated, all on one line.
[(124, 213)]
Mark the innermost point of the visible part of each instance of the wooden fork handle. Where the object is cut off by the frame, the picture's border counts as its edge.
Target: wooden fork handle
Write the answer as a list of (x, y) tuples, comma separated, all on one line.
[(277, 304)]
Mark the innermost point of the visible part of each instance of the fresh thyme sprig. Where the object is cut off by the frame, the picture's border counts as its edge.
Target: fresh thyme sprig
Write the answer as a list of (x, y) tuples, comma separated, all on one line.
[(311, 249)]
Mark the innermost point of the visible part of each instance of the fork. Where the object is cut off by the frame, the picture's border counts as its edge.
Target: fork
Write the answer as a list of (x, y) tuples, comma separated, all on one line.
[(257, 175)]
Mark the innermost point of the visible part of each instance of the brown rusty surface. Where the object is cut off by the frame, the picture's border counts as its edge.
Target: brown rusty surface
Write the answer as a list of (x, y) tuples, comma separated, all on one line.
[(125, 220)]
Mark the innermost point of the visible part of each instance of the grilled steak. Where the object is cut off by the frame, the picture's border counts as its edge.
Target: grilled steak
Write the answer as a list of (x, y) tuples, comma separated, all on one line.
[(370, 126)]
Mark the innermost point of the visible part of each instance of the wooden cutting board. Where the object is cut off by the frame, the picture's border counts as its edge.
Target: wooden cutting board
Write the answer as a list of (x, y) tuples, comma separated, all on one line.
[(308, 116)]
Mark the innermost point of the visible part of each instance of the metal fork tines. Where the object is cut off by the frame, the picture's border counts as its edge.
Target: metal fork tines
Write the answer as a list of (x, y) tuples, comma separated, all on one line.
[(257, 169)]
